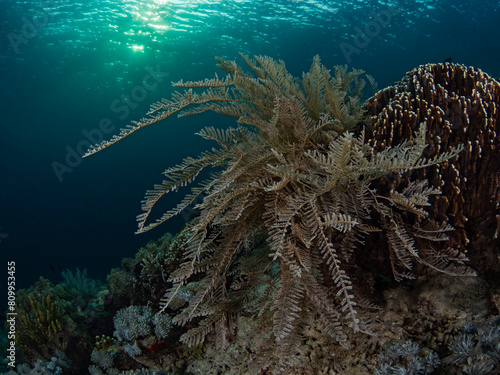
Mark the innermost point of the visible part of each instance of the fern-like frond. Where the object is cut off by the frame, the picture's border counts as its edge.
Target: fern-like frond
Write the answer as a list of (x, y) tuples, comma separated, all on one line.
[(197, 335), (225, 138), (401, 157), (414, 198), (273, 75), (433, 231), (342, 222), (167, 111), (287, 304), (213, 82), (449, 261), (178, 176), (329, 314), (402, 250), (341, 280), (440, 158)]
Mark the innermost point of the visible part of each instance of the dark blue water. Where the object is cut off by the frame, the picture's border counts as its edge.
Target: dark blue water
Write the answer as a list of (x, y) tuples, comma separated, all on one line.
[(73, 71)]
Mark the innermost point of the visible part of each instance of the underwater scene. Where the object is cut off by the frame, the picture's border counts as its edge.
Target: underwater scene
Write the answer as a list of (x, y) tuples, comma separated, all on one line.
[(250, 187)]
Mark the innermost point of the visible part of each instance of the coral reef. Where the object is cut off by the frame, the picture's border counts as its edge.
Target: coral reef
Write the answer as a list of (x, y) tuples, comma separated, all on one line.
[(132, 322), (406, 358), (460, 105), (296, 177), (139, 337), (102, 358), (314, 212), (142, 280), (407, 315), (55, 366), (56, 321), (79, 281), (43, 324), (477, 349)]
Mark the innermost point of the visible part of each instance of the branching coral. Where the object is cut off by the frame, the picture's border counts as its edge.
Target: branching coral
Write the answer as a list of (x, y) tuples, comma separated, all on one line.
[(477, 350), (142, 280), (132, 323), (136, 324), (79, 281), (56, 320), (41, 329), (406, 359), (294, 177)]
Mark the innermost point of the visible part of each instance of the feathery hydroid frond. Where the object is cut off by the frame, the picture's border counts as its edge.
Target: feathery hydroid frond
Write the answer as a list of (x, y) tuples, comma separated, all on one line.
[(294, 177)]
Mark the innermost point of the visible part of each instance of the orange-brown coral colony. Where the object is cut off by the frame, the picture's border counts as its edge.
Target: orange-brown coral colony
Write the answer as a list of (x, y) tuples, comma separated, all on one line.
[(461, 105)]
